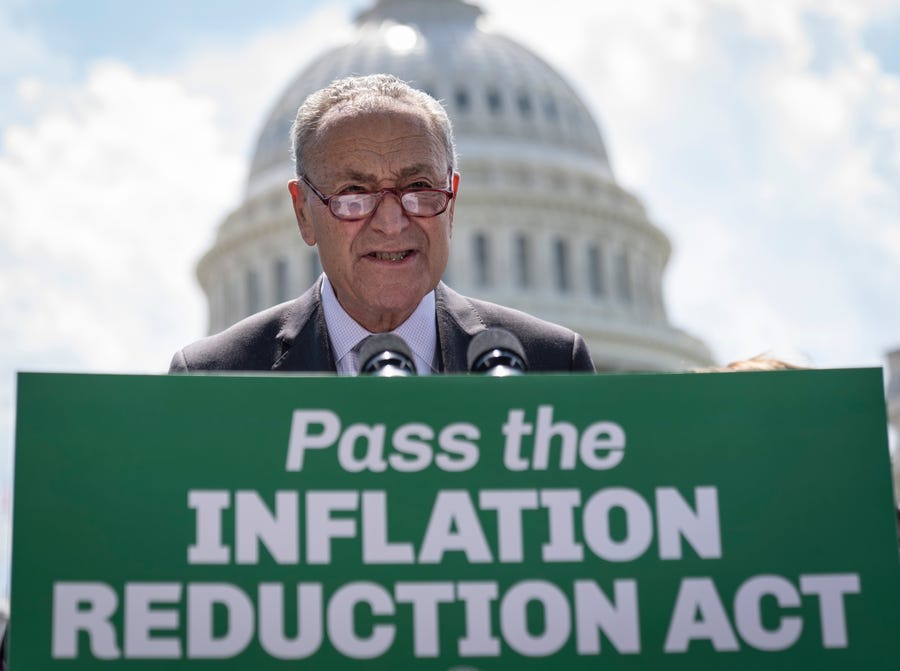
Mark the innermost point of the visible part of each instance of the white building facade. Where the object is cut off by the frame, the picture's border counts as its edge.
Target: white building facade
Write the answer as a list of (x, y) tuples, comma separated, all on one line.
[(540, 225)]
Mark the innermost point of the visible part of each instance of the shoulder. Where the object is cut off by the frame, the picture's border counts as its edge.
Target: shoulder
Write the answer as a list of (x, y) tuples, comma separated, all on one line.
[(252, 344), (548, 346)]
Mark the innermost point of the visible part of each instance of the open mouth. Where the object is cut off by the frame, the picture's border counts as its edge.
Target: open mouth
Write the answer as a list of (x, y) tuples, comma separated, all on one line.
[(390, 256)]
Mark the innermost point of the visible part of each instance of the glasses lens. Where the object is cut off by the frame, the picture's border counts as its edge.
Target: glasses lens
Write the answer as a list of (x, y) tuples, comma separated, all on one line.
[(353, 205), (424, 203)]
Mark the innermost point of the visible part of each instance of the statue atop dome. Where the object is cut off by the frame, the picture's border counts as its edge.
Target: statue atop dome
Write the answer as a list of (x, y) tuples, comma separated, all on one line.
[(419, 12)]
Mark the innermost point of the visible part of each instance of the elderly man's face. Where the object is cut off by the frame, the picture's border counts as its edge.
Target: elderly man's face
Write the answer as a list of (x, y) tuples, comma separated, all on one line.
[(381, 266)]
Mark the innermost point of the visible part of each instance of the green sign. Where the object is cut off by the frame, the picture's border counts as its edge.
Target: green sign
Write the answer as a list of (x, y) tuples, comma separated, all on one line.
[(682, 521)]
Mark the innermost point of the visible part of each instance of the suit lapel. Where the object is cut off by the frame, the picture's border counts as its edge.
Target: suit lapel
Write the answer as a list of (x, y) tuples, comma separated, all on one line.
[(457, 322), (305, 346), (303, 337)]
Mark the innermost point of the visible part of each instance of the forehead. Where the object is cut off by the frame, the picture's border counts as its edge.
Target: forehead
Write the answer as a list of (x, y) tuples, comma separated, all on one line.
[(388, 142)]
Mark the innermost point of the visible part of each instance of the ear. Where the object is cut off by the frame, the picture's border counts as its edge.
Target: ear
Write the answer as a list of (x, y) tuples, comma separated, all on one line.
[(455, 187), (301, 212)]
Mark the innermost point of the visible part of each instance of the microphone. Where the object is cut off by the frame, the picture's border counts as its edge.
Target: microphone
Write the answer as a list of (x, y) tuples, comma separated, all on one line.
[(386, 355), (496, 352)]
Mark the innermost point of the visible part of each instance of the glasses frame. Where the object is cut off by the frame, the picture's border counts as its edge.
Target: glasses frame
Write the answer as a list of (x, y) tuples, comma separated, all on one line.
[(399, 193)]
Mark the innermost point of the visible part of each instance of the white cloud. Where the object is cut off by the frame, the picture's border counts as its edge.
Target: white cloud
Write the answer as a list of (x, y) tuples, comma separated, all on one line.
[(107, 202), (245, 81), (27, 64), (769, 154), (22, 48), (110, 190), (29, 89), (110, 195)]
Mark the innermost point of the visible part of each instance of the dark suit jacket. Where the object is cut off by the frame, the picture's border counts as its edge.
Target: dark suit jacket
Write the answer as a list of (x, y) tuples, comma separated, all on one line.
[(293, 337)]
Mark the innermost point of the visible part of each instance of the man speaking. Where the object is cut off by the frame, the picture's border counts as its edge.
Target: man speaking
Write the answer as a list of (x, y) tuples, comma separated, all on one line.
[(375, 191)]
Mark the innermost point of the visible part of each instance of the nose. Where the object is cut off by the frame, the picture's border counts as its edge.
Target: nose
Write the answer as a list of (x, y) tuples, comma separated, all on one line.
[(389, 217)]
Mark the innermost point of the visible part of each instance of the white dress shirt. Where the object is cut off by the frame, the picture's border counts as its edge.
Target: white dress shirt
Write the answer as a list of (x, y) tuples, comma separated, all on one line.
[(419, 331)]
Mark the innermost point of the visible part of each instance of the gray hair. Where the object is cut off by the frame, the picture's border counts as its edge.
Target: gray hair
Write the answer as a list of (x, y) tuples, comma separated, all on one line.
[(364, 94)]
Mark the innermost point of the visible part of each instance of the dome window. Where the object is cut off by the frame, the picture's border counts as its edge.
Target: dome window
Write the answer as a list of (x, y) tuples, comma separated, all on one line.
[(524, 102), (282, 289), (623, 278), (596, 279), (642, 290), (558, 182), (561, 264), (482, 260), (232, 309), (550, 109), (494, 101), (461, 98), (523, 261), (254, 297)]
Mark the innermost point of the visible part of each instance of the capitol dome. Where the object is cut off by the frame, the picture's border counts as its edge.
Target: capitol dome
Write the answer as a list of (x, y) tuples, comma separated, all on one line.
[(540, 223)]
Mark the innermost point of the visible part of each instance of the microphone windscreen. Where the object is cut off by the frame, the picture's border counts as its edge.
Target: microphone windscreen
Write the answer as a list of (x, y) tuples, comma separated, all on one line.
[(491, 339), (385, 343)]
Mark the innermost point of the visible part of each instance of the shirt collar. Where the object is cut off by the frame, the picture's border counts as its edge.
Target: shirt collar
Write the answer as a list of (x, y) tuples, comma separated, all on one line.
[(419, 331)]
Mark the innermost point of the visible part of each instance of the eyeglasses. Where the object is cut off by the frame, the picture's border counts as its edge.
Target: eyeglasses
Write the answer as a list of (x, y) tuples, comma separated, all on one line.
[(359, 205)]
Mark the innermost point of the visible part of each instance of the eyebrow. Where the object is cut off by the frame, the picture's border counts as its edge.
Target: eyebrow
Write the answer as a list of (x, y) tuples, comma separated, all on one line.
[(418, 168)]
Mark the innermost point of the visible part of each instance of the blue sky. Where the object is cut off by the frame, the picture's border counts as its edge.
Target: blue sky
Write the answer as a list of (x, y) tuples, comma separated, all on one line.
[(147, 34), (762, 135)]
